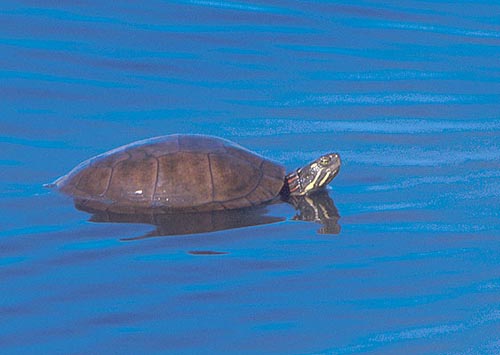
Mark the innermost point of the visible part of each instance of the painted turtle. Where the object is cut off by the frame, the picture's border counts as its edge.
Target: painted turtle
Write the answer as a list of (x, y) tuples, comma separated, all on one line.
[(188, 173)]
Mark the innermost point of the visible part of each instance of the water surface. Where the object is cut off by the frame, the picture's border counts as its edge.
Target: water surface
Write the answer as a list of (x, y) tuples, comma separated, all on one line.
[(407, 93)]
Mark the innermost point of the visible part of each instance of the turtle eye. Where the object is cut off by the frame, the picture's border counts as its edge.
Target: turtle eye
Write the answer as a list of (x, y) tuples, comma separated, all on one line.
[(324, 160)]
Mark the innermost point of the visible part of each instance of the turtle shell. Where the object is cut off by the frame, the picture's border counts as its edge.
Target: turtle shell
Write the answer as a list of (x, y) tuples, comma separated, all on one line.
[(174, 173)]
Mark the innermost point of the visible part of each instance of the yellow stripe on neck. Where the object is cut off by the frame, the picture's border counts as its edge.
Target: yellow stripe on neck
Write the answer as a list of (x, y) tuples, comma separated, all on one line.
[(311, 185)]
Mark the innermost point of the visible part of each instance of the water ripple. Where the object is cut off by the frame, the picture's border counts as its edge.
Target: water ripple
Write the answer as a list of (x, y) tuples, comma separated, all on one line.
[(405, 184), (385, 99), (265, 127), (439, 29), (424, 332), (236, 6)]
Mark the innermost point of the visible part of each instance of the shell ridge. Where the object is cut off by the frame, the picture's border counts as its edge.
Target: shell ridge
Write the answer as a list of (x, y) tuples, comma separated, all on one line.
[(155, 185), (261, 174), (109, 182), (211, 177)]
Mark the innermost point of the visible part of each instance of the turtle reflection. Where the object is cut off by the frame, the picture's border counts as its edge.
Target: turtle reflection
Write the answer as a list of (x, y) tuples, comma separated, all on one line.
[(317, 207)]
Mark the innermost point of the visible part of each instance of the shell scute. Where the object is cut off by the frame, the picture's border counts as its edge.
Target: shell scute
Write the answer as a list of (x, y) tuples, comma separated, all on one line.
[(232, 177), (198, 143), (94, 180), (133, 181), (184, 180)]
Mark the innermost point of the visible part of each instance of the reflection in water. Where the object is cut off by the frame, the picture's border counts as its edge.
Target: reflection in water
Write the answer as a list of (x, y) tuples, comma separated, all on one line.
[(317, 207)]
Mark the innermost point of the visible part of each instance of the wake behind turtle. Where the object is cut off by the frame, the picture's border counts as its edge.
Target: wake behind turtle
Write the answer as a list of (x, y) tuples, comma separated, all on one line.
[(188, 173)]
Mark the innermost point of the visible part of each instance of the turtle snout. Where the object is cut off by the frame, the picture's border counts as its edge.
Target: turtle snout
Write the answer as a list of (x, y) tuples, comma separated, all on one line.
[(335, 159)]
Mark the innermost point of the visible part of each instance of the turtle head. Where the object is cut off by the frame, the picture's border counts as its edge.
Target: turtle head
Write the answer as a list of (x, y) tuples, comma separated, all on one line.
[(313, 176)]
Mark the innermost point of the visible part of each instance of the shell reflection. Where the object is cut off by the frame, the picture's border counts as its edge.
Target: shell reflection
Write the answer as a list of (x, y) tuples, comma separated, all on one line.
[(318, 207)]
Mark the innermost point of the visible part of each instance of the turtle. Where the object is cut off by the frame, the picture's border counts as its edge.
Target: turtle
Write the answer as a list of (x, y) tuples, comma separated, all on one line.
[(188, 173)]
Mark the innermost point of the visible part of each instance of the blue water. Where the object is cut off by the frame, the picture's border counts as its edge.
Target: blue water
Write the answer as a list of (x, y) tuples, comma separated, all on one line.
[(407, 92)]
